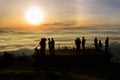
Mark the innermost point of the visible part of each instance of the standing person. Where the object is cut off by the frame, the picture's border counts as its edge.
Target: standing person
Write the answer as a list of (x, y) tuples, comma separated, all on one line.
[(36, 50), (53, 46), (106, 44), (100, 44), (83, 42), (42, 46), (96, 42), (49, 46), (77, 43)]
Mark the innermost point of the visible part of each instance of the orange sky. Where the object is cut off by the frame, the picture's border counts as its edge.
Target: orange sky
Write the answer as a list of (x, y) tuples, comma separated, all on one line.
[(78, 12)]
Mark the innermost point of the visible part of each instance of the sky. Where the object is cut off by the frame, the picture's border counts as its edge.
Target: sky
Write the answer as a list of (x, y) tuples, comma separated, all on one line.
[(60, 13)]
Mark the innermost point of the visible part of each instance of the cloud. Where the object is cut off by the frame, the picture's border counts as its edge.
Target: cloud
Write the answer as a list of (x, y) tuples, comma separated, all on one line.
[(115, 49), (60, 24), (15, 46), (3, 31), (10, 31), (63, 24)]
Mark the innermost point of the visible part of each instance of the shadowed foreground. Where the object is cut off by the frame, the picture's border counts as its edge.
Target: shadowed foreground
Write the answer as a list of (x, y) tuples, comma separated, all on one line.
[(69, 58), (61, 67), (83, 72)]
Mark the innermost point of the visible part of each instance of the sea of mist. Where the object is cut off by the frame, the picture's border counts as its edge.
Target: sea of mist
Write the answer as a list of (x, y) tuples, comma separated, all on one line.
[(12, 40)]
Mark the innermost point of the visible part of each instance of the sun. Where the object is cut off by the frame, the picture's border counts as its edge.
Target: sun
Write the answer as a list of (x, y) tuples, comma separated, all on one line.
[(34, 15)]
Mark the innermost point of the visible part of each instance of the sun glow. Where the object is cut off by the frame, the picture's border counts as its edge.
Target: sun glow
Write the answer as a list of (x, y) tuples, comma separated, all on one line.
[(34, 15)]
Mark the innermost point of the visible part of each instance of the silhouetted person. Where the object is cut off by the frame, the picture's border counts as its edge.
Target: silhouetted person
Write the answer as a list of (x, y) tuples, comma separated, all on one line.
[(59, 46), (83, 42), (106, 44), (53, 46), (96, 42), (42, 46), (100, 44), (36, 50), (77, 43), (50, 46)]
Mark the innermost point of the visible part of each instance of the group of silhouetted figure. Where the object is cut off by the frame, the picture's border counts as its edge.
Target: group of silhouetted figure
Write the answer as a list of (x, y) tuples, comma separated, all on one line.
[(99, 44), (78, 43), (51, 45), (41, 50)]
